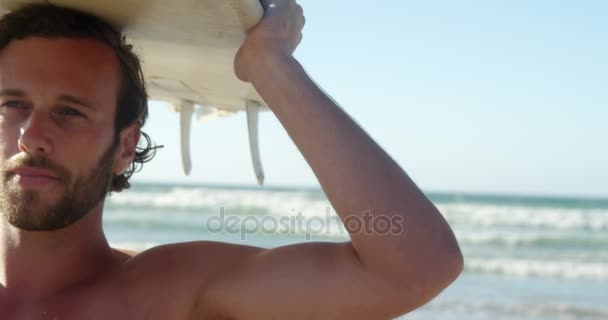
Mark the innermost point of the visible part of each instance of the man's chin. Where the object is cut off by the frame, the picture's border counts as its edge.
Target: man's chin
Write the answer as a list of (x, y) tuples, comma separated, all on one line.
[(34, 223), (31, 211)]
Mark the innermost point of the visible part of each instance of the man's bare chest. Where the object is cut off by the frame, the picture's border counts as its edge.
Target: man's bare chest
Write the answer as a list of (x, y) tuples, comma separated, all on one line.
[(103, 305)]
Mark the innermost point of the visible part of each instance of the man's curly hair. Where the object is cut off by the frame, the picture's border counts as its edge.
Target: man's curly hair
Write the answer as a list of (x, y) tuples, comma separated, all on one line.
[(49, 21)]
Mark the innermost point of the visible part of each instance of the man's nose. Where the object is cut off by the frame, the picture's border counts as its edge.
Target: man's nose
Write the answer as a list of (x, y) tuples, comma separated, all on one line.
[(35, 135)]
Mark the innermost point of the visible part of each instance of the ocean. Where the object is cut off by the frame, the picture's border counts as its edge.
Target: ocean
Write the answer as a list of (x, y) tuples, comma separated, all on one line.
[(525, 257)]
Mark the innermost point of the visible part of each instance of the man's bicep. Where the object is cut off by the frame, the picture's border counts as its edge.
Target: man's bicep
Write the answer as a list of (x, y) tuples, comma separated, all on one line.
[(302, 281)]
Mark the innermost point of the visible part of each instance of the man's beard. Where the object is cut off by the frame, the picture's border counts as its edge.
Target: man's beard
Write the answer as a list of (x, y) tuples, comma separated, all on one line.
[(23, 209)]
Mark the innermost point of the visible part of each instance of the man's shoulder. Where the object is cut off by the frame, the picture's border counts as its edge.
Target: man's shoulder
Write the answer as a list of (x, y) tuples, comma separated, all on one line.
[(180, 271), (183, 263), (201, 253)]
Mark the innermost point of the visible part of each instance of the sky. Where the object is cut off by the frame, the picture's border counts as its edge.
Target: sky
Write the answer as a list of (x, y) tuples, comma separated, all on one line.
[(502, 97)]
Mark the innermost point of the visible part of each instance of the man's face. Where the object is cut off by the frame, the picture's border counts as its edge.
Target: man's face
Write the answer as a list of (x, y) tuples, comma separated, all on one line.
[(57, 144)]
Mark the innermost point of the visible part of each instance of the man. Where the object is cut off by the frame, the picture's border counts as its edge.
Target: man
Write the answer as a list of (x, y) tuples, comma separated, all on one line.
[(70, 121)]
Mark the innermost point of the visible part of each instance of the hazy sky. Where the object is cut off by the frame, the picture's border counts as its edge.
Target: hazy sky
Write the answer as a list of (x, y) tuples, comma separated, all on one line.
[(473, 96)]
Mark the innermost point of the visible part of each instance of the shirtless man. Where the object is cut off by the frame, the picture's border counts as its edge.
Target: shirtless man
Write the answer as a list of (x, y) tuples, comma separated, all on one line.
[(70, 120)]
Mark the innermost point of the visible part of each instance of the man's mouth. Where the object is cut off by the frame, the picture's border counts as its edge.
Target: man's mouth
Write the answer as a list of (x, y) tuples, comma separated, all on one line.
[(29, 177)]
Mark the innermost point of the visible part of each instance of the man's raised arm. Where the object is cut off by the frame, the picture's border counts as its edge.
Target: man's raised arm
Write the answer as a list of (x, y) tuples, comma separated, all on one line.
[(402, 253)]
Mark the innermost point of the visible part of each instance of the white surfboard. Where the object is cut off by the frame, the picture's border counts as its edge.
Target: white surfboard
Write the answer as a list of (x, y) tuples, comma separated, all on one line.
[(187, 49)]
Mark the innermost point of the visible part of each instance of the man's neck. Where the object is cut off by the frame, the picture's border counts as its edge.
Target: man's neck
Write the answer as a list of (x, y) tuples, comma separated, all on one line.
[(38, 265)]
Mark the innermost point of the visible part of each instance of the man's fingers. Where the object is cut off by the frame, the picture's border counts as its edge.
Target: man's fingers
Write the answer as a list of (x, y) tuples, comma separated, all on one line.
[(278, 3), (300, 12), (293, 12), (265, 3), (300, 21), (296, 42)]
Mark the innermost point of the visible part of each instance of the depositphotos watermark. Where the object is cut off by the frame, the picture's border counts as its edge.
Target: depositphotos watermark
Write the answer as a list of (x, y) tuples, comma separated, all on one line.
[(298, 224)]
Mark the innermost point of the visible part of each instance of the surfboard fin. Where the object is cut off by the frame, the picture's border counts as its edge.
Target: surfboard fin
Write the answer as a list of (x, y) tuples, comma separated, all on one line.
[(186, 110), (185, 117), (253, 109)]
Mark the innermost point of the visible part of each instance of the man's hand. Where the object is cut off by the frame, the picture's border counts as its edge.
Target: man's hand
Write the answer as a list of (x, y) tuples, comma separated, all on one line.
[(275, 37)]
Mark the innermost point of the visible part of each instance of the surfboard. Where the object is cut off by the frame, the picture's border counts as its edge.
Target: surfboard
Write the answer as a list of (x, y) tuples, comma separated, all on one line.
[(187, 48)]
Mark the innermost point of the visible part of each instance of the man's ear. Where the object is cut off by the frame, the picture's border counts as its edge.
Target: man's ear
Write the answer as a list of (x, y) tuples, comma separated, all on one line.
[(125, 152)]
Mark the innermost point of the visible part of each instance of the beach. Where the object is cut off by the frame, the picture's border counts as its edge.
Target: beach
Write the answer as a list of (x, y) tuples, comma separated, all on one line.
[(526, 257)]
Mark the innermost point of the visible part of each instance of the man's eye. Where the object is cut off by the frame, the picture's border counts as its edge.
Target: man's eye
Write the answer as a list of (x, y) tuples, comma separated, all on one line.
[(13, 104), (71, 112)]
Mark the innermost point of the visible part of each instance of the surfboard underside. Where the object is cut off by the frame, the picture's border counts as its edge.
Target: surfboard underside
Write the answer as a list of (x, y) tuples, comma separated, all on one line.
[(187, 49)]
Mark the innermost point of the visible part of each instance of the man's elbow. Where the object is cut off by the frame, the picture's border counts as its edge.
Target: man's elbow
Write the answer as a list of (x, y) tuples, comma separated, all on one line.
[(441, 272), (425, 278), (430, 284), (443, 260), (454, 265)]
